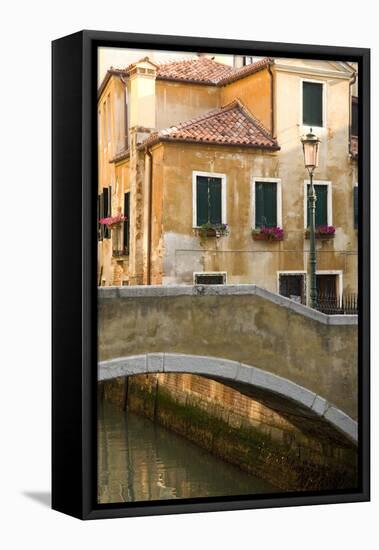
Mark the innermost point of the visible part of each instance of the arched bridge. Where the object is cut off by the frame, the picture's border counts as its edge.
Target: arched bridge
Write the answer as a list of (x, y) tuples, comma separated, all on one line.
[(263, 344)]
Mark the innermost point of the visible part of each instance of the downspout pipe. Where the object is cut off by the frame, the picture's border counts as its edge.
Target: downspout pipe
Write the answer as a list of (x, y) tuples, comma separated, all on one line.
[(150, 215), (351, 83)]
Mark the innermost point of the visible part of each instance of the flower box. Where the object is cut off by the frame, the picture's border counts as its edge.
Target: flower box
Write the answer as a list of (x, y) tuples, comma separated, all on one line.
[(209, 230), (323, 232), (113, 222), (268, 234)]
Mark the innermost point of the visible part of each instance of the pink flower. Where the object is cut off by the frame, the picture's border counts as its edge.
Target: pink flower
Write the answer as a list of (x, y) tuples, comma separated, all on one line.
[(112, 220)]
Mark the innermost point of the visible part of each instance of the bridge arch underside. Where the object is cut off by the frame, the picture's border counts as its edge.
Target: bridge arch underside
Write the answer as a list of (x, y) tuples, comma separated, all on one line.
[(310, 412)]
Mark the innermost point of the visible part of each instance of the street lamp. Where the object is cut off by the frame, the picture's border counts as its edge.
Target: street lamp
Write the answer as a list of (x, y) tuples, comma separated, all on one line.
[(311, 149)]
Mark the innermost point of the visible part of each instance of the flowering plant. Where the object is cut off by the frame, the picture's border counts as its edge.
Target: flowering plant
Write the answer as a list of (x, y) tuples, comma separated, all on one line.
[(268, 233), (213, 229), (322, 231), (113, 221), (325, 229)]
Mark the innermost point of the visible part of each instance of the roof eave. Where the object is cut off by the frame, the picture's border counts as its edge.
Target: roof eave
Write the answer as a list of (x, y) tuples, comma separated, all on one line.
[(165, 139)]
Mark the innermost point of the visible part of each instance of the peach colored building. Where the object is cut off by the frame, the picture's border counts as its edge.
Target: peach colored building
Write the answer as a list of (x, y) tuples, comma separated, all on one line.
[(204, 159)]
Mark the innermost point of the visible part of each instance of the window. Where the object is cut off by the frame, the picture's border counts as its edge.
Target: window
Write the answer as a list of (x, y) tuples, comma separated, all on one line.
[(323, 214), (247, 60), (354, 117), (126, 222), (266, 204), (292, 285), (312, 104), (210, 278), (106, 210), (327, 285), (209, 198), (356, 207)]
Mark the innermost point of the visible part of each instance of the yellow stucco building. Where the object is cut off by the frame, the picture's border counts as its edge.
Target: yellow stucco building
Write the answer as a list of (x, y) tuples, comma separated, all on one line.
[(187, 146)]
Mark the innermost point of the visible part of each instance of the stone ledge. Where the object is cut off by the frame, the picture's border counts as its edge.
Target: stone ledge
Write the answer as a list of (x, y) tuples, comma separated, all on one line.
[(160, 291)]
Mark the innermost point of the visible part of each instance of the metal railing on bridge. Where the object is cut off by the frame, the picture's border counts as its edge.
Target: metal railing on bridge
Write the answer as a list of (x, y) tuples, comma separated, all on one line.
[(331, 304)]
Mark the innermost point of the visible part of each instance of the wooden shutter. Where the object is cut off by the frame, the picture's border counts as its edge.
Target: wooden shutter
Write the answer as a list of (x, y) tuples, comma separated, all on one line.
[(321, 216), (106, 211), (356, 207), (354, 117), (126, 222), (321, 205), (98, 217), (312, 104), (101, 214), (202, 200), (270, 203), (214, 199), (265, 204)]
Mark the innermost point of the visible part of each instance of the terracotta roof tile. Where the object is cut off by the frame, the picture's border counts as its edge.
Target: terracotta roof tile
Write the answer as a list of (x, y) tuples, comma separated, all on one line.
[(229, 125), (207, 71), (202, 70)]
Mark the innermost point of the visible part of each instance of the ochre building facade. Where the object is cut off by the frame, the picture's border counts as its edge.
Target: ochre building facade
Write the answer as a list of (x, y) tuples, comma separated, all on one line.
[(191, 145)]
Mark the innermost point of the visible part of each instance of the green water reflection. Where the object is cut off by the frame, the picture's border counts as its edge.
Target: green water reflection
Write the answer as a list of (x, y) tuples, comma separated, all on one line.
[(139, 460)]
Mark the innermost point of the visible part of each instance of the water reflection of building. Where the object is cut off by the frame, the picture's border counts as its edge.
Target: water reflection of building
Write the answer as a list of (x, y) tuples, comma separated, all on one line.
[(188, 143)]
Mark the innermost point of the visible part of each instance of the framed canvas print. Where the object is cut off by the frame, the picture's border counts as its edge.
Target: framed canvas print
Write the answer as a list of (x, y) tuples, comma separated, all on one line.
[(210, 274)]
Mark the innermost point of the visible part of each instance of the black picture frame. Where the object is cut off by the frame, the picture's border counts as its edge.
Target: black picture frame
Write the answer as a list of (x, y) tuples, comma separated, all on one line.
[(74, 356)]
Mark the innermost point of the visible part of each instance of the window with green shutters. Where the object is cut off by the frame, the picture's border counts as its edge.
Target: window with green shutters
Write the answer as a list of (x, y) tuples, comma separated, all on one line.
[(312, 104), (321, 214), (266, 204), (208, 200)]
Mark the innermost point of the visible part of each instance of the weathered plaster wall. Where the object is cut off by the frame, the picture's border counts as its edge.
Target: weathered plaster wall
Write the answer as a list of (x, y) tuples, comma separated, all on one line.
[(254, 92), (243, 327), (245, 260), (177, 102)]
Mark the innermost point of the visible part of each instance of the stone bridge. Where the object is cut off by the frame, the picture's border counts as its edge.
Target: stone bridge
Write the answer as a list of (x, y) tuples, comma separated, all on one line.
[(267, 346)]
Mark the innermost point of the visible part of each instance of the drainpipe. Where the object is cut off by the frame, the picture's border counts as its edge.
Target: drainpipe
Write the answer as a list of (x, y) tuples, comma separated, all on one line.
[(150, 214), (351, 82), (272, 89)]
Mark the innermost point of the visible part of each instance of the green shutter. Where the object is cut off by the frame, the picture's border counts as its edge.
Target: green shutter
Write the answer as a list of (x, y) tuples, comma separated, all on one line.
[(312, 104), (321, 216), (214, 198), (101, 215), (321, 205), (354, 117), (270, 203), (106, 210), (265, 204), (356, 207), (259, 205), (202, 200)]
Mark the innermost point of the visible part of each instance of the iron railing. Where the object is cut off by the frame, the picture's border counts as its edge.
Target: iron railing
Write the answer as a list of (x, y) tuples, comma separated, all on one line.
[(335, 305)]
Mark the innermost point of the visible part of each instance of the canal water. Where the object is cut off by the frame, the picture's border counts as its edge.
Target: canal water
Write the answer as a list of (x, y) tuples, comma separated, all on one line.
[(139, 460)]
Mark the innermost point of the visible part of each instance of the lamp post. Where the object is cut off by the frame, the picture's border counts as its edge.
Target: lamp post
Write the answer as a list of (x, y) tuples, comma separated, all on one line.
[(311, 150)]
